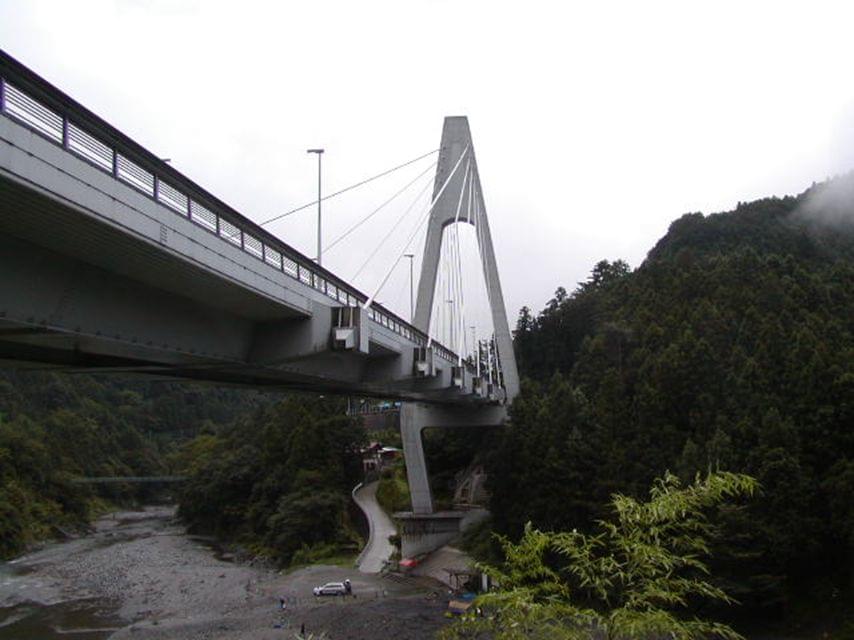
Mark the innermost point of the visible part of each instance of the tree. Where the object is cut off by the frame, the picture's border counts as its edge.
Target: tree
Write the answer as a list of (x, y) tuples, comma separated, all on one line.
[(548, 444), (280, 479), (730, 347), (633, 579)]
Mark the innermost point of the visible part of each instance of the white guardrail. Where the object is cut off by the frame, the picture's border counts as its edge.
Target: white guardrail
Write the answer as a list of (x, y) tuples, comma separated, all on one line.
[(54, 118)]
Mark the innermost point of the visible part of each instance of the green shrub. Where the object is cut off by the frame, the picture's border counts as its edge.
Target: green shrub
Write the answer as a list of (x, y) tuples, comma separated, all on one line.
[(633, 579), (393, 490)]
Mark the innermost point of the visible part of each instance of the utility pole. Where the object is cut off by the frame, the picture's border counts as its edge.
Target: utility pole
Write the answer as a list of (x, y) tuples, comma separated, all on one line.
[(319, 153), (411, 257)]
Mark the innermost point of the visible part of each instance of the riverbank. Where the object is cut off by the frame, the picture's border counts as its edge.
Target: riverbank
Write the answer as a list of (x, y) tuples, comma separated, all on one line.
[(142, 576)]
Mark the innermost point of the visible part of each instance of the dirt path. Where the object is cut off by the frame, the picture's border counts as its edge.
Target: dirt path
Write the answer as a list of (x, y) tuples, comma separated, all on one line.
[(163, 584)]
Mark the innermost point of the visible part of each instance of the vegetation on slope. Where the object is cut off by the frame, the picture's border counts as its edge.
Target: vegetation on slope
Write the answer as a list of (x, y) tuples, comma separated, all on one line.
[(277, 475), (393, 489), (279, 479), (634, 578), (731, 347), (55, 428)]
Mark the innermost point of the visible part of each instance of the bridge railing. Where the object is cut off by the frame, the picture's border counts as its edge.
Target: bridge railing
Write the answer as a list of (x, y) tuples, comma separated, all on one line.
[(30, 100)]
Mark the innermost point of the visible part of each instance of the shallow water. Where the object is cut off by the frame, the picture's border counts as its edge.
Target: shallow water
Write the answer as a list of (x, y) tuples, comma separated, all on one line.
[(47, 594), (79, 619), (41, 611)]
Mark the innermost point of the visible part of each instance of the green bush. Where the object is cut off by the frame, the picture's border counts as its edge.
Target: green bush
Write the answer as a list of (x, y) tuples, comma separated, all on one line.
[(393, 490), (633, 579)]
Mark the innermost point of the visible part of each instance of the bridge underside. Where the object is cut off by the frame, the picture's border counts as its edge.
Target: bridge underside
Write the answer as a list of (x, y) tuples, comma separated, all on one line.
[(89, 297), (59, 311)]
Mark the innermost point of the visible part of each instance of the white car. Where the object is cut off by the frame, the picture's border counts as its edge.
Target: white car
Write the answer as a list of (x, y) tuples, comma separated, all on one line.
[(331, 589)]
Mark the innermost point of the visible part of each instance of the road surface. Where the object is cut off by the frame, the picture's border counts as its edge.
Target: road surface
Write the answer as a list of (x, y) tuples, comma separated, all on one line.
[(378, 549)]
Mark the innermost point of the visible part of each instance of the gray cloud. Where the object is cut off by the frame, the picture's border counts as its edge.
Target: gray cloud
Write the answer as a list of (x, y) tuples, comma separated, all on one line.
[(830, 203)]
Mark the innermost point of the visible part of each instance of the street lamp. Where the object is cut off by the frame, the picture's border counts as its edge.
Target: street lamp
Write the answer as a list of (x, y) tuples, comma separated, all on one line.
[(451, 318), (411, 257), (472, 327), (319, 153)]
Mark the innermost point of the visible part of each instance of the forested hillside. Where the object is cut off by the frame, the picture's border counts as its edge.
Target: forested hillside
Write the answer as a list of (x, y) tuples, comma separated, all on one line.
[(273, 470), (55, 427), (731, 347), (279, 479)]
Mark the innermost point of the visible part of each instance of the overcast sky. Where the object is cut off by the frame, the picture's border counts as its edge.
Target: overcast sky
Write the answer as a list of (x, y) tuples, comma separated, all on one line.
[(595, 124)]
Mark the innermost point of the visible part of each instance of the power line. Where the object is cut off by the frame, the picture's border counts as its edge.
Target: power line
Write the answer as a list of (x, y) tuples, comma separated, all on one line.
[(369, 301), (378, 209), (390, 231), (351, 187)]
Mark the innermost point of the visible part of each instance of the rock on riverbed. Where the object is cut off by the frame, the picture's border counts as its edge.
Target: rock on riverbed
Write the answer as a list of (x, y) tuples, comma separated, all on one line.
[(166, 585)]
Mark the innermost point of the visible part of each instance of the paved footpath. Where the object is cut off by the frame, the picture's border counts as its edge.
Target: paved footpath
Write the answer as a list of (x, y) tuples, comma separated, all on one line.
[(379, 549)]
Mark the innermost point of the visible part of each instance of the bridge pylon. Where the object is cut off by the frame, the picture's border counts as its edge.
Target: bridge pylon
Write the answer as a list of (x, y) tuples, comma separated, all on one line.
[(424, 529), (455, 151)]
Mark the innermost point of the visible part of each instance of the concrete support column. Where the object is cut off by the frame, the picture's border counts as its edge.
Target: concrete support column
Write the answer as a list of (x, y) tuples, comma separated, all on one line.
[(414, 418), (423, 529), (412, 423)]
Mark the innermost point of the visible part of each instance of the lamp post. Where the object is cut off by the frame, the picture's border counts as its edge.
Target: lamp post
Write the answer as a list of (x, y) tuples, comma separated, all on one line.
[(319, 153), (450, 304), (411, 257)]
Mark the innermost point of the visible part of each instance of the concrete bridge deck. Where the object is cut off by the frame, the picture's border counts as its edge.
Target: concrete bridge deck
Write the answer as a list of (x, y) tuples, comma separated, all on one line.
[(111, 260)]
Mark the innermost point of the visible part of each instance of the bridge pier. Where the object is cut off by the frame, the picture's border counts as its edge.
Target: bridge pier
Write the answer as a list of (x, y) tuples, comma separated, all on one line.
[(423, 529), (423, 533), (414, 418)]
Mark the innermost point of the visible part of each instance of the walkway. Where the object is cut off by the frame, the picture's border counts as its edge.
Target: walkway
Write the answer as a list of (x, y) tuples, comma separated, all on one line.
[(378, 549)]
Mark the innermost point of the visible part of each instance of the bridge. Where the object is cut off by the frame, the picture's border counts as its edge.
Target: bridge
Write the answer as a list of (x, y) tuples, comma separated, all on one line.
[(113, 261)]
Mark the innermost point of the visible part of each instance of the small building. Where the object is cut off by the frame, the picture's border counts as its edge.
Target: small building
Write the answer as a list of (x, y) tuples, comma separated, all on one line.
[(375, 456)]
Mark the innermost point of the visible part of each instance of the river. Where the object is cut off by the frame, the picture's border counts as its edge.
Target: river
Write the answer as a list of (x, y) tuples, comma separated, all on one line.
[(40, 599), (139, 575)]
